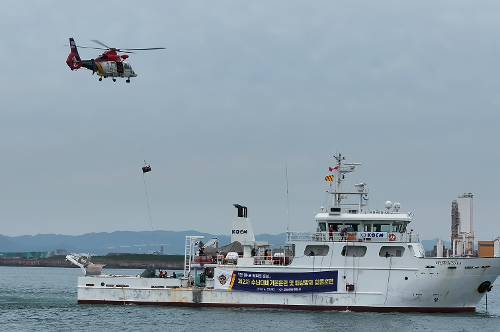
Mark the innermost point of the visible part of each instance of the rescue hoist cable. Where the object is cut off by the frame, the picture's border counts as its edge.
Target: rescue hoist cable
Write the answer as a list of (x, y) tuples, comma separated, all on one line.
[(149, 210), (143, 171), (287, 199)]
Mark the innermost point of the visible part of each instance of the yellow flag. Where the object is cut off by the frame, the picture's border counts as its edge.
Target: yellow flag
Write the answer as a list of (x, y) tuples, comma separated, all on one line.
[(329, 178)]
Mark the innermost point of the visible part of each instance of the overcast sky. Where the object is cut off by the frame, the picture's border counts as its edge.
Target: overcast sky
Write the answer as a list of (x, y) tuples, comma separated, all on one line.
[(243, 92)]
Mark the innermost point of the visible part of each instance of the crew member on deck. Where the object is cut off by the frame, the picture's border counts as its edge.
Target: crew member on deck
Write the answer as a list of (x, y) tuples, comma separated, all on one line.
[(267, 254), (343, 233)]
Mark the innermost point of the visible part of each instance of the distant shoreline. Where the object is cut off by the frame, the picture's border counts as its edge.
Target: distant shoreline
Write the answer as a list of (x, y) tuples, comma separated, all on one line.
[(113, 262)]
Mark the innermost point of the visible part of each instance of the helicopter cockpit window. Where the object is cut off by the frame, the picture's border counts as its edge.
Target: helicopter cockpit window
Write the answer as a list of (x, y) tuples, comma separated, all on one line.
[(126, 65)]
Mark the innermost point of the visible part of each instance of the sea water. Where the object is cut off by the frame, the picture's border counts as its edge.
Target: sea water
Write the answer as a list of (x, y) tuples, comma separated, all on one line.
[(44, 299)]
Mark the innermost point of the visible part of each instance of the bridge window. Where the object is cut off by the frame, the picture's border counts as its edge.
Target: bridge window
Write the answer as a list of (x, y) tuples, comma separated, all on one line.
[(391, 251), (399, 227), (352, 227), (354, 251), (316, 250), (381, 227)]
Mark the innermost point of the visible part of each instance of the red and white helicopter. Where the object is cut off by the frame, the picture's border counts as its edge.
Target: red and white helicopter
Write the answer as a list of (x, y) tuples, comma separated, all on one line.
[(108, 64)]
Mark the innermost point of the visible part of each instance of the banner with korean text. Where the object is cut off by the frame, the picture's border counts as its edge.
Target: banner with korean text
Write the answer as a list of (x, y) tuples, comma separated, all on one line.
[(293, 282)]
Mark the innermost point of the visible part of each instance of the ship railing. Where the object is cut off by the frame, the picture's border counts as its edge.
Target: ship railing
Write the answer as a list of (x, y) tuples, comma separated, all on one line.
[(205, 259), (352, 237), (279, 260)]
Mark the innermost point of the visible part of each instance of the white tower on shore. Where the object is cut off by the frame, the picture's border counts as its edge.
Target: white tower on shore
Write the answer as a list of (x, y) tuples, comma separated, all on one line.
[(462, 226)]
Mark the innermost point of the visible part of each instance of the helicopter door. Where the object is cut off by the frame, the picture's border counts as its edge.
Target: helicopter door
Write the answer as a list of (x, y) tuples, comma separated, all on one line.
[(119, 68)]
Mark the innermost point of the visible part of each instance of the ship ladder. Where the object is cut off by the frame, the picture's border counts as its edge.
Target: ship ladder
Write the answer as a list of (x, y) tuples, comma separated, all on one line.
[(187, 256), (188, 252)]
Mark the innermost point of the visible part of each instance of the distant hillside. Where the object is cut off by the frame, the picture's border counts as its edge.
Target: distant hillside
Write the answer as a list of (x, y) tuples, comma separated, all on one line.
[(128, 242), (116, 242), (6, 244)]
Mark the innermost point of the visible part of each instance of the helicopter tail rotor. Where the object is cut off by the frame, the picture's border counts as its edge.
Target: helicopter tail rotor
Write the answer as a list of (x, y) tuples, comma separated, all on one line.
[(74, 62)]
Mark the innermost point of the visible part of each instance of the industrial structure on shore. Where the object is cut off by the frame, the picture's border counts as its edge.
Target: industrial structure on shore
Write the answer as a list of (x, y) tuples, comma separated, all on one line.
[(462, 233), (462, 226)]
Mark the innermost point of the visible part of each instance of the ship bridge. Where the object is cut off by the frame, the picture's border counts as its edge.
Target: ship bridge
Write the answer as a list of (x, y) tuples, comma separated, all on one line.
[(349, 218)]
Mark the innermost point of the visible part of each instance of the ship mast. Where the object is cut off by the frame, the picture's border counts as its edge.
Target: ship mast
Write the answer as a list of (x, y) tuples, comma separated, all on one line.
[(341, 169)]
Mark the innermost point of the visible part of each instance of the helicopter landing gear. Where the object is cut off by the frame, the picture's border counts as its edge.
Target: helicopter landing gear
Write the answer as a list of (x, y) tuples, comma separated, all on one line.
[(128, 80), (100, 79), (114, 79)]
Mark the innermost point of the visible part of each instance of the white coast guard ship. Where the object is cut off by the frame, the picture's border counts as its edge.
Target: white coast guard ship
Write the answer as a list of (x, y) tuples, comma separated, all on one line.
[(356, 259)]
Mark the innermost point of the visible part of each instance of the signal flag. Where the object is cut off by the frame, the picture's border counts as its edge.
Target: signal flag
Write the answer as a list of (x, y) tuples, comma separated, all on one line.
[(329, 178)]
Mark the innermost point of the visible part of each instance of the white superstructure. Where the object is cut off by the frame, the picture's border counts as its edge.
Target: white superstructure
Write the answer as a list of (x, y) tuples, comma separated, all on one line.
[(355, 259)]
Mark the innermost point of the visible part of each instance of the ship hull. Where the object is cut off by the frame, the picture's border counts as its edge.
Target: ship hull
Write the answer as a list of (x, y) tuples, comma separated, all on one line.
[(214, 298), (431, 286), (289, 307)]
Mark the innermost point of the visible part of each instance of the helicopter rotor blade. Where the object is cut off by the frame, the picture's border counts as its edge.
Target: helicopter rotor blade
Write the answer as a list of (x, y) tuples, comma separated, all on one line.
[(142, 49), (100, 43), (94, 48), (124, 50)]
